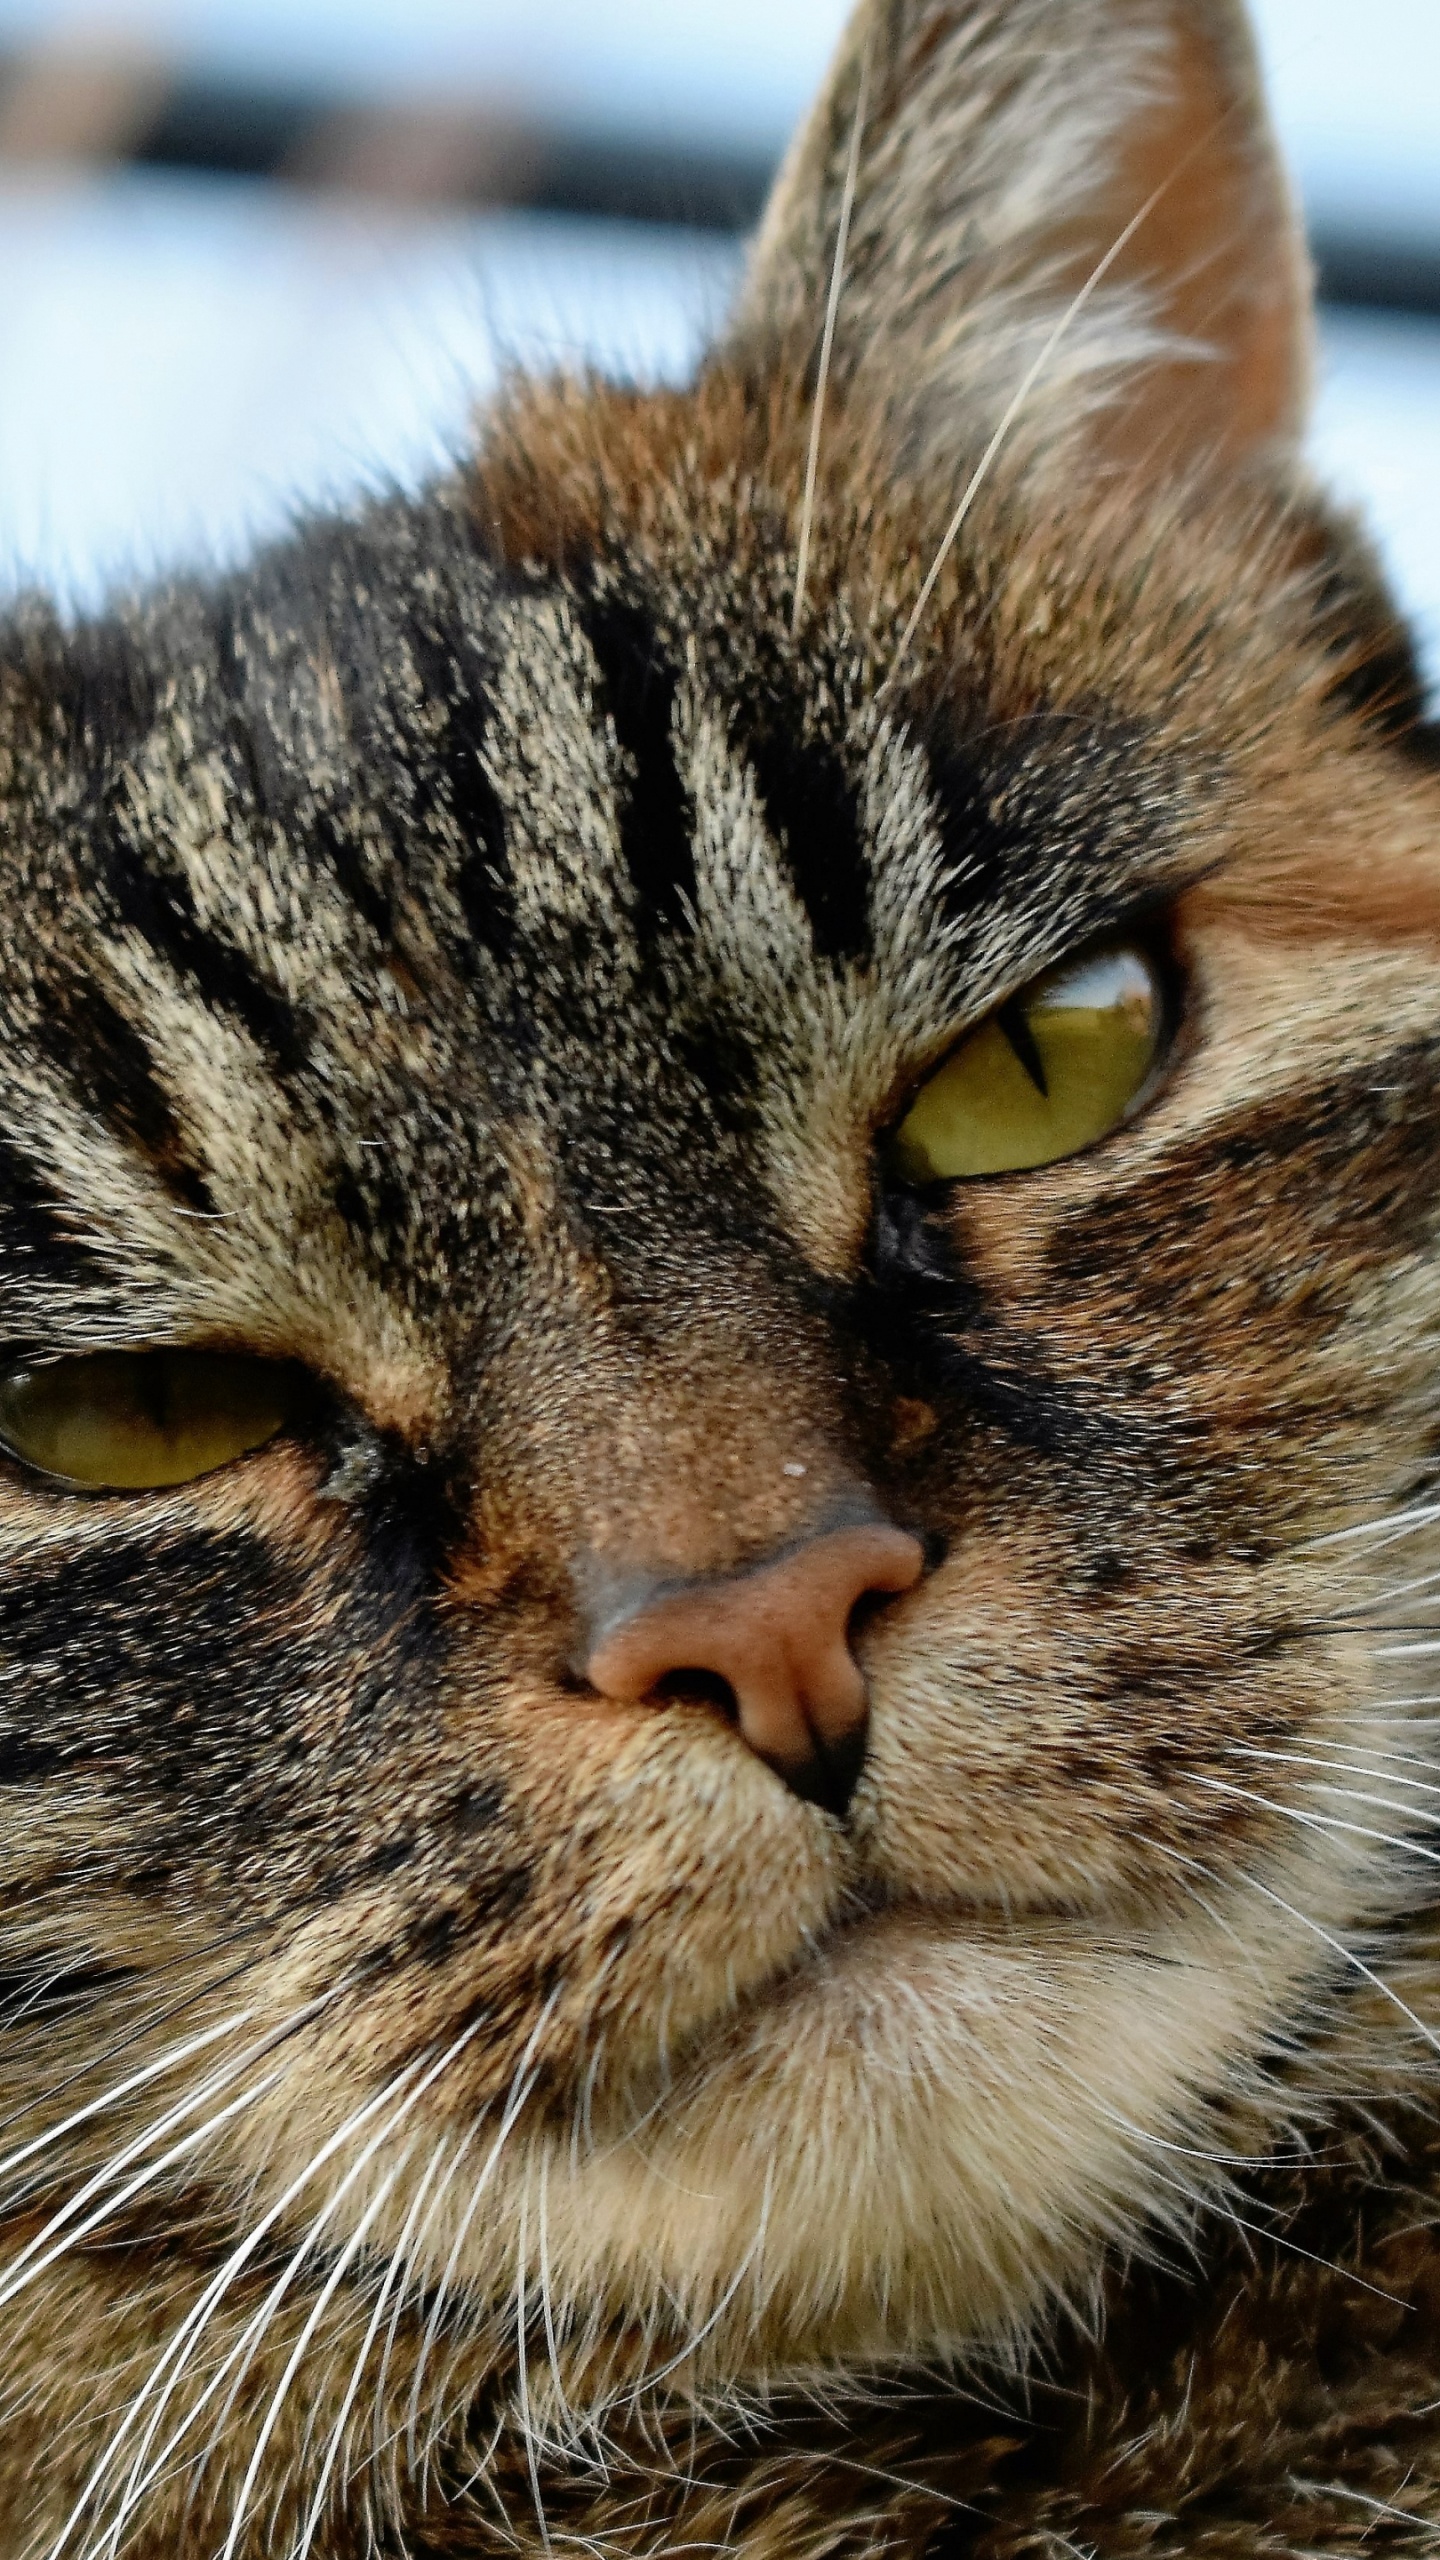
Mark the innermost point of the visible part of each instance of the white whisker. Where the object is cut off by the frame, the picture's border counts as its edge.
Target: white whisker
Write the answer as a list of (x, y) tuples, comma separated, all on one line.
[(29, 2267), (241, 2353), (827, 342), (990, 456), (751, 2259), (547, 2307), (159, 2014), (177, 2355), (171, 2060), (393, 2276), (527, 2422), (323, 2299), (379, 2446), (522, 2081), (1327, 1938), (1324, 1821), (1382, 1532)]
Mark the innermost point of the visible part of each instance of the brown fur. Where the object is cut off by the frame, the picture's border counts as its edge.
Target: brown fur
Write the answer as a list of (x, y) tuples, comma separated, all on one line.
[(622, 2155)]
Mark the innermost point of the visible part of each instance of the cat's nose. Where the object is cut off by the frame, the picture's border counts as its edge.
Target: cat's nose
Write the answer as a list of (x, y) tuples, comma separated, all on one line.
[(774, 1642)]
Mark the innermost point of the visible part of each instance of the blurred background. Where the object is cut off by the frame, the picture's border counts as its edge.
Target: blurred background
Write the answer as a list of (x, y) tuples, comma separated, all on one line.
[(255, 253)]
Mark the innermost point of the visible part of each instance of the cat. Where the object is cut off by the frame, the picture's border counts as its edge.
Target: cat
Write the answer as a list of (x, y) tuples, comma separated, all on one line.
[(718, 1283)]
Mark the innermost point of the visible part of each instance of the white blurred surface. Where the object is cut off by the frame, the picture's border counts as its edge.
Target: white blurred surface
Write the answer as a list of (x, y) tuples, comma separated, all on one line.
[(188, 360), (1376, 439), (1356, 83), (1356, 91)]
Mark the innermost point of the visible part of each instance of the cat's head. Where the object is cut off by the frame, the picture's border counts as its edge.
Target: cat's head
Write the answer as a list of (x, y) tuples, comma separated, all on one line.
[(808, 1197)]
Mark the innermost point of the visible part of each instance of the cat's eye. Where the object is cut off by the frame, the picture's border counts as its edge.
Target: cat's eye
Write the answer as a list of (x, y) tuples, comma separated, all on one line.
[(130, 1421), (1058, 1067)]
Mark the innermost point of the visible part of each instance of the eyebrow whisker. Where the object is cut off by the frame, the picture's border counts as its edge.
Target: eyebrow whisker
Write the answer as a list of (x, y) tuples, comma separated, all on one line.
[(827, 343)]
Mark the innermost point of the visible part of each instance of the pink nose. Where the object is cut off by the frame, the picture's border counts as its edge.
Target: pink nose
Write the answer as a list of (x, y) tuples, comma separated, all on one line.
[(777, 1640)]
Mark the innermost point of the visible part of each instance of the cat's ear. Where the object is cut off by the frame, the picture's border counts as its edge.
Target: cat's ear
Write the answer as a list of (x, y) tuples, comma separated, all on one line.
[(1014, 161)]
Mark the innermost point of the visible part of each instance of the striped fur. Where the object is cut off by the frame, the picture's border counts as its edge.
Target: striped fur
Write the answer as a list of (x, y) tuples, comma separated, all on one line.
[(474, 953)]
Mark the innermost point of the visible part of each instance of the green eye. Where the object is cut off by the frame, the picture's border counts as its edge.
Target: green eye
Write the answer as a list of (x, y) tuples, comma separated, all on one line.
[(1056, 1068), (132, 1420)]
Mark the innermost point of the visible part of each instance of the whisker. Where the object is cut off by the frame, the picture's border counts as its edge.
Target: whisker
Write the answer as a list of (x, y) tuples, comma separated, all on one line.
[(522, 2081), (1179, 2150), (527, 2424), (1425, 1815), (323, 2299), (1337, 1946), (379, 2447), (990, 456), (1229, 2212), (177, 2355), (753, 2254), (29, 2266), (157, 2015), (827, 342), (514, 2105), (1313, 1757), (1382, 1532), (237, 2363), (171, 2060), (547, 2308), (393, 2276), (1226, 1927), (183, 2345), (1323, 1821)]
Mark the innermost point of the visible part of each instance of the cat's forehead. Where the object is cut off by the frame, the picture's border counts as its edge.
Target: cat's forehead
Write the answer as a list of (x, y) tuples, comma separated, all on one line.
[(579, 786), (417, 888)]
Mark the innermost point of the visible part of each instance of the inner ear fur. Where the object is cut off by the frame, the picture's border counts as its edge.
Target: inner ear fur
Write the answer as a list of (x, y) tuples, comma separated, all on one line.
[(1005, 147)]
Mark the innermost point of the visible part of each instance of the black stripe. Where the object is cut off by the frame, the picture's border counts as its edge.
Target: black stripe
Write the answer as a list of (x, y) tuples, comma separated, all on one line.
[(99, 684), (38, 1240), (1346, 1167), (656, 819), (23, 1763), (248, 742), (1002, 851), (161, 910), (87, 1612), (925, 1315), (494, 1897), (482, 883), (107, 1064), (55, 1983), (1066, 826), (813, 812), (345, 854), (132, 1662), (132, 1658), (448, 777)]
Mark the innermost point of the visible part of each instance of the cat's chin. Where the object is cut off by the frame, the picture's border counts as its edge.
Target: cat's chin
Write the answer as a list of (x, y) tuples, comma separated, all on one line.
[(912, 2146)]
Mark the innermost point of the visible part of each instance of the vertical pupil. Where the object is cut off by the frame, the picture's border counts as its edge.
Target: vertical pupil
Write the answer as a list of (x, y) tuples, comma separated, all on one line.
[(1055, 1068), (154, 1387)]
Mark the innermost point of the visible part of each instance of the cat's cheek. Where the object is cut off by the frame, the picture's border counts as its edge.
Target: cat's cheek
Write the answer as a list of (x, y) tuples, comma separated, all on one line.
[(1031, 1751), (642, 1873)]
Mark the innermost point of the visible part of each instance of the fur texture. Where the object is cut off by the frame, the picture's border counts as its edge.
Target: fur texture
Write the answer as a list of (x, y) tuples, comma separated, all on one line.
[(476, 955)]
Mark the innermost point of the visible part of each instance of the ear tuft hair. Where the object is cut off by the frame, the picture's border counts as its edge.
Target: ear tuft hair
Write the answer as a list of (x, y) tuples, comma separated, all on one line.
[(1010, 149)]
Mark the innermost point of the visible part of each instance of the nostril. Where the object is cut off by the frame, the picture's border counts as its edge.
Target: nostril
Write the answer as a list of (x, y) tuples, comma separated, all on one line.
[(869, 1605), (831, 1773), (772, 1648), (695, 1688)]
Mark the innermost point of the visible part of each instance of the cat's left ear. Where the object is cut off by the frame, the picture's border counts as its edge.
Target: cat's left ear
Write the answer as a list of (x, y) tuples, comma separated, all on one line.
[(1012, 161)]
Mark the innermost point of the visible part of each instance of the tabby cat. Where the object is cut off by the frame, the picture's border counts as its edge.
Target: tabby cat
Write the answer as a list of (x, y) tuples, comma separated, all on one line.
[(718, 1282)]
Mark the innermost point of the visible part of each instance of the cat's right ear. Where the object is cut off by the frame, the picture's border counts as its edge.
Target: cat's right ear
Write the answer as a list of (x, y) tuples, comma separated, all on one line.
[(1012, 162)]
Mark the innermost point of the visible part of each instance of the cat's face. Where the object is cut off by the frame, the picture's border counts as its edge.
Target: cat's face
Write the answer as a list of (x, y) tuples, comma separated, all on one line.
[(483, 959)]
